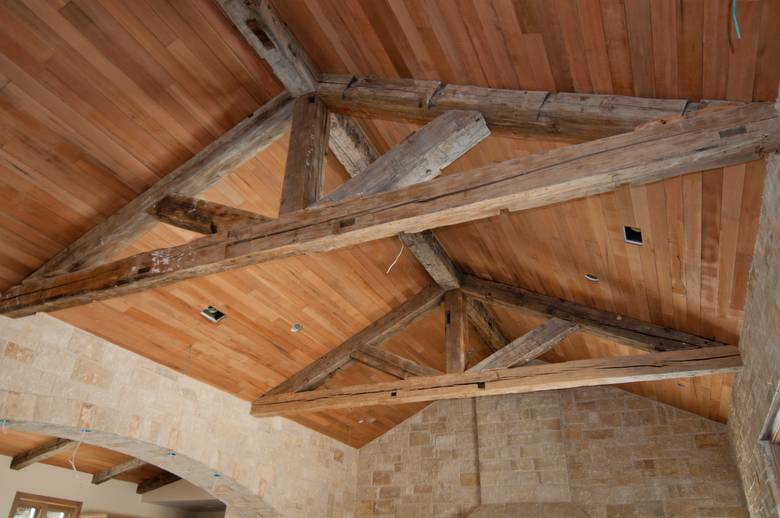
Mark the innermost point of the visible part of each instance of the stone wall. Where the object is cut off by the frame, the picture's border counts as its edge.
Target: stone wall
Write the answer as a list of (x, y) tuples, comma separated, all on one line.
[(58, 380), (598, 452), (758, 381)]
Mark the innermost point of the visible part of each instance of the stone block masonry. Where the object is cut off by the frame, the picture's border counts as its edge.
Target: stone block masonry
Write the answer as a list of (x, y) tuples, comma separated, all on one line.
[(759, 379), (599, 452), (56, 379)]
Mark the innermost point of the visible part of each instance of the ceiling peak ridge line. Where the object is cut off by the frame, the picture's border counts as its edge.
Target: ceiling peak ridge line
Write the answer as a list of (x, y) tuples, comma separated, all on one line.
[(448, 200)]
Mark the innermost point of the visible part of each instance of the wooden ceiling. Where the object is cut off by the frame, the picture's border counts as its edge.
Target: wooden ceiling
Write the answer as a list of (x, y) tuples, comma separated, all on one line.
[(88, 459), (100, 99)]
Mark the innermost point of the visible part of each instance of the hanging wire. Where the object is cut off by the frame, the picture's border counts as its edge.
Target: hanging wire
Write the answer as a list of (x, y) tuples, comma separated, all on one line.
[(72, 459), (397, 257), (734, 17)]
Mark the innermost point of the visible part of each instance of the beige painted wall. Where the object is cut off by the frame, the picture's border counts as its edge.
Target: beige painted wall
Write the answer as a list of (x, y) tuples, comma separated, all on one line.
[(114, 496)]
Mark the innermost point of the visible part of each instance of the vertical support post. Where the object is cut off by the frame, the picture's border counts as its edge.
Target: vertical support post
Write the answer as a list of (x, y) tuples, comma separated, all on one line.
[(455, 330), (304, 173)]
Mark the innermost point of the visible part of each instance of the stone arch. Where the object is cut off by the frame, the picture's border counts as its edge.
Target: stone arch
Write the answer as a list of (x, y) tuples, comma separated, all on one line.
[(222, 487), (59, 380)]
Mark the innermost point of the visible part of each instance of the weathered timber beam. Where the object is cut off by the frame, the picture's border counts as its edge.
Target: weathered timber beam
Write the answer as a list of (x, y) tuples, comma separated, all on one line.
[(116, 471), (202, 216), (419, 157), (261, 26), (432, 256), (350, 145), (374, 335), (485, 324), (620, 328), (528, 347), (304, 173), (521, 113), (705, 140), (270, 38), (41, 453), (455, 331), (163, 479), (519, 380), (206, 168), (392, 363)]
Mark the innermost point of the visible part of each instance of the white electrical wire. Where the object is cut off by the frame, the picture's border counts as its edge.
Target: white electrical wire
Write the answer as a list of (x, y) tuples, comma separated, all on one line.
[(397, 257)]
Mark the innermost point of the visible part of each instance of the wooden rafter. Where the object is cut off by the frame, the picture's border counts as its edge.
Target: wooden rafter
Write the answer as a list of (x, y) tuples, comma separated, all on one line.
[(214, 162), (156, 482), (202, 216), (530, 114), (392, 363), (41, 453), (116, 471), (528, 347), (552, 376), (620, 328), (455, 331), (432, 256), (703, 141), (304, 174), (485, 324), (374, 335), (419, 157)]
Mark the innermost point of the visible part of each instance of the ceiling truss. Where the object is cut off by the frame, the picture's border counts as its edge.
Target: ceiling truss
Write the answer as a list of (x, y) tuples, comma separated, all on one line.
[(629, 140)]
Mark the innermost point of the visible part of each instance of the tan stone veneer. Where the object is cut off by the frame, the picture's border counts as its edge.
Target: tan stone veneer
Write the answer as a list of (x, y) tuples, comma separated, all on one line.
[(759, 379), (58, 380), (598, 452)]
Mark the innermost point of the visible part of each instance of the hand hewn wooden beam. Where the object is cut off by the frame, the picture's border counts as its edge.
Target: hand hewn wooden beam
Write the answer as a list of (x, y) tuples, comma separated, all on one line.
[(519, 380), (620, 328), (419, 157), (116, 471), (432, 256), (374, 335), (350, 144), (257, 21), (163, 479), (202, 216), (485, 324), (703, 141), (521, 113), (392, 363), (41, 453), (528, 347), (304, 174), (214, 162), (455, 331)]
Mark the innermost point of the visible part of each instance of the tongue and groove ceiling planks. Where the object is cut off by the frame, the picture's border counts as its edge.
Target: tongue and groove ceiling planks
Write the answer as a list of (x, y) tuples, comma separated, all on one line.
[(98, 100)]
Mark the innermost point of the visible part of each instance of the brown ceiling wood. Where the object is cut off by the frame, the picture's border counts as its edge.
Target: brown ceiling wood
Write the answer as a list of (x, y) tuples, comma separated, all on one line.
[(99, 99), (88, 459)]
